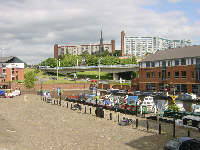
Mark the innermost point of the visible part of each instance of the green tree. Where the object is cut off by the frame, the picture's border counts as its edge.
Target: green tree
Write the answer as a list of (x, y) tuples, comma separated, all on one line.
[(49, 62), (110, 60), (91, 60), (104, 53), (117, 53), (29, 79)]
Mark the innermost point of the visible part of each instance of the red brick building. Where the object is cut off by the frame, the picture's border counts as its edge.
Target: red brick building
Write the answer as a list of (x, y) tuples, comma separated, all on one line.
[(173, 70), (11, 68)]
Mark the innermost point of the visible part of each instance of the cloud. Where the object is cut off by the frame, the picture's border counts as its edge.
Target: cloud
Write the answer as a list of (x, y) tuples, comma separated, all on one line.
[(174, 1), (30, 28)]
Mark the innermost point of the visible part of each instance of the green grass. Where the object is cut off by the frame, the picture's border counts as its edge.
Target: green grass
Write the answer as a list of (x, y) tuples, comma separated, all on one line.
[(80, 75), (94, 75)]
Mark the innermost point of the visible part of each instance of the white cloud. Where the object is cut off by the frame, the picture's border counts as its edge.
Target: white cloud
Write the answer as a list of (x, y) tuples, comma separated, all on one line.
[(174, 1), (30, 28)]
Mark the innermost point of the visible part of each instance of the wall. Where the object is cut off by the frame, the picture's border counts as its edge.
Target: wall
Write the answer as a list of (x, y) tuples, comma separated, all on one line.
[(169, 80)]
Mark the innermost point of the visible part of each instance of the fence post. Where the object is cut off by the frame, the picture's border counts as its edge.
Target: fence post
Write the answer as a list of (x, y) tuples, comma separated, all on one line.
[(71, 105), (90, 110), (188, 133), (147, 124), (174, 126), (67, 104), (159, 128), (110, 116), (136, 110), (118, 117), (60, 99), (136, 123), (85, 109)]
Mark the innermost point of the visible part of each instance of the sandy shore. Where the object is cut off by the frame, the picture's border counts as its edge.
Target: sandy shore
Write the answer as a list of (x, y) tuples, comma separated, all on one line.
[(27, 123)]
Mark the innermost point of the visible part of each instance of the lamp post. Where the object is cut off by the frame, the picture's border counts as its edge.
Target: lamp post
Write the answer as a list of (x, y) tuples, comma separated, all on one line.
[(58, 65), (99, 68)]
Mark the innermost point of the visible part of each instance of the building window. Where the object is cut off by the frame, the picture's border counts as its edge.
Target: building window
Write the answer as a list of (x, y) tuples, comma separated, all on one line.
[(153, 74), (161, 86), (163, 63), (13, 71), (148, 75), (192, 74), (176, 62), (169, 63), (169, 74), (192, 61), (176, 75), (148, 64), (183, 74), (183, 61), (198, 61), (150, 86), (153, 64)]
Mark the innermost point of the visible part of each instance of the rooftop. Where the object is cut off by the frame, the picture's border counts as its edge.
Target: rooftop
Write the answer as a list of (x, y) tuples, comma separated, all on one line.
[(185, 52), (10, 59)]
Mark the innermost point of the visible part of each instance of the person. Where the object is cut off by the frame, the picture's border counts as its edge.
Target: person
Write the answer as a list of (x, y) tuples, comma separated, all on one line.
[(49, 95)]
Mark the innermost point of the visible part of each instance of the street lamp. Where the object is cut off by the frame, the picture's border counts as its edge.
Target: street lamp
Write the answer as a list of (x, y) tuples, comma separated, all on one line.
[(58, 65), (99, 68)]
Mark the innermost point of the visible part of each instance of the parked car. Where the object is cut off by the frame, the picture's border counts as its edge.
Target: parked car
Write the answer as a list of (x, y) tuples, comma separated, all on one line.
[(183, 143)]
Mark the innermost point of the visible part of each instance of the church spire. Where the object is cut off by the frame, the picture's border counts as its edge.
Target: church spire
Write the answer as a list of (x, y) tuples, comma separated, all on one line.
[(101, 47)]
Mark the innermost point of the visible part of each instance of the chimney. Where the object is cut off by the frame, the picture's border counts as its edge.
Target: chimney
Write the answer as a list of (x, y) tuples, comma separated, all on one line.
[(56, 51), (122, 42), (113, 45)]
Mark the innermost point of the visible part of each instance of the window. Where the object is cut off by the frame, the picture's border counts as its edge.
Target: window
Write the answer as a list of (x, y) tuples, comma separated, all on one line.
[(192, 74), (159, 74), (153, 64), (148, 64), (169, 74), (169, 63), (176, 62), (192, 61), (163, 63), (148, 75), (183, 61), (150, 86), (176, 75), (153, 74), (183, 74), (198, 61)]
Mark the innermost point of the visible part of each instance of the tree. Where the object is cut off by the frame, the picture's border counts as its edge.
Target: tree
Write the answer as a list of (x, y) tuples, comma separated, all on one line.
[(29, 79), (117, 53), (49, 62)]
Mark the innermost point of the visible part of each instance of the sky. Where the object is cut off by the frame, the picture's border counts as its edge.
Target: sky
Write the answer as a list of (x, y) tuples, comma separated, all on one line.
[(30, 28)]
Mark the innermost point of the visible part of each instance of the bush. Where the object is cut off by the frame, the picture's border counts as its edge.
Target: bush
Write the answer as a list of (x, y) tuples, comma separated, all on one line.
[(174, 108)]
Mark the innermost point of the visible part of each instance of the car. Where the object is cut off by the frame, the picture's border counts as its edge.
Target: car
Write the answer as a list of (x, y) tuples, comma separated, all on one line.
[(183, 143)]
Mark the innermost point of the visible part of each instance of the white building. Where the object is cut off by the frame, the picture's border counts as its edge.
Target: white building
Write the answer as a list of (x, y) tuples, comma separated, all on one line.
[(139, 46)]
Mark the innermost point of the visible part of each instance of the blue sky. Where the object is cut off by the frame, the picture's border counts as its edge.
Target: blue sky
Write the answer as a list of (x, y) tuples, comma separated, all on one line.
[(190, 8)]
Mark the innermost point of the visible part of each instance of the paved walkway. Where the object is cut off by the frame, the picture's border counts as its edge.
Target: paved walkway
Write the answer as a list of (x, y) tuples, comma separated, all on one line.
[(27, 123)]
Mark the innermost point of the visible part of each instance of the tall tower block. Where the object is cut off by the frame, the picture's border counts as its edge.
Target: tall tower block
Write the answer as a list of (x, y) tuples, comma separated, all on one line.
[(122, 42)]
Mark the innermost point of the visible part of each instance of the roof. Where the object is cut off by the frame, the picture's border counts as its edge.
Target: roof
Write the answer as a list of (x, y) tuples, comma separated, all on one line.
[(10, 59), (185, 52)]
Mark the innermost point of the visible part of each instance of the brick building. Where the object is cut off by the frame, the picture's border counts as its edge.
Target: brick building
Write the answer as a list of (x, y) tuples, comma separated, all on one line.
[(173, 70), (61, 50), (11, 68)]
